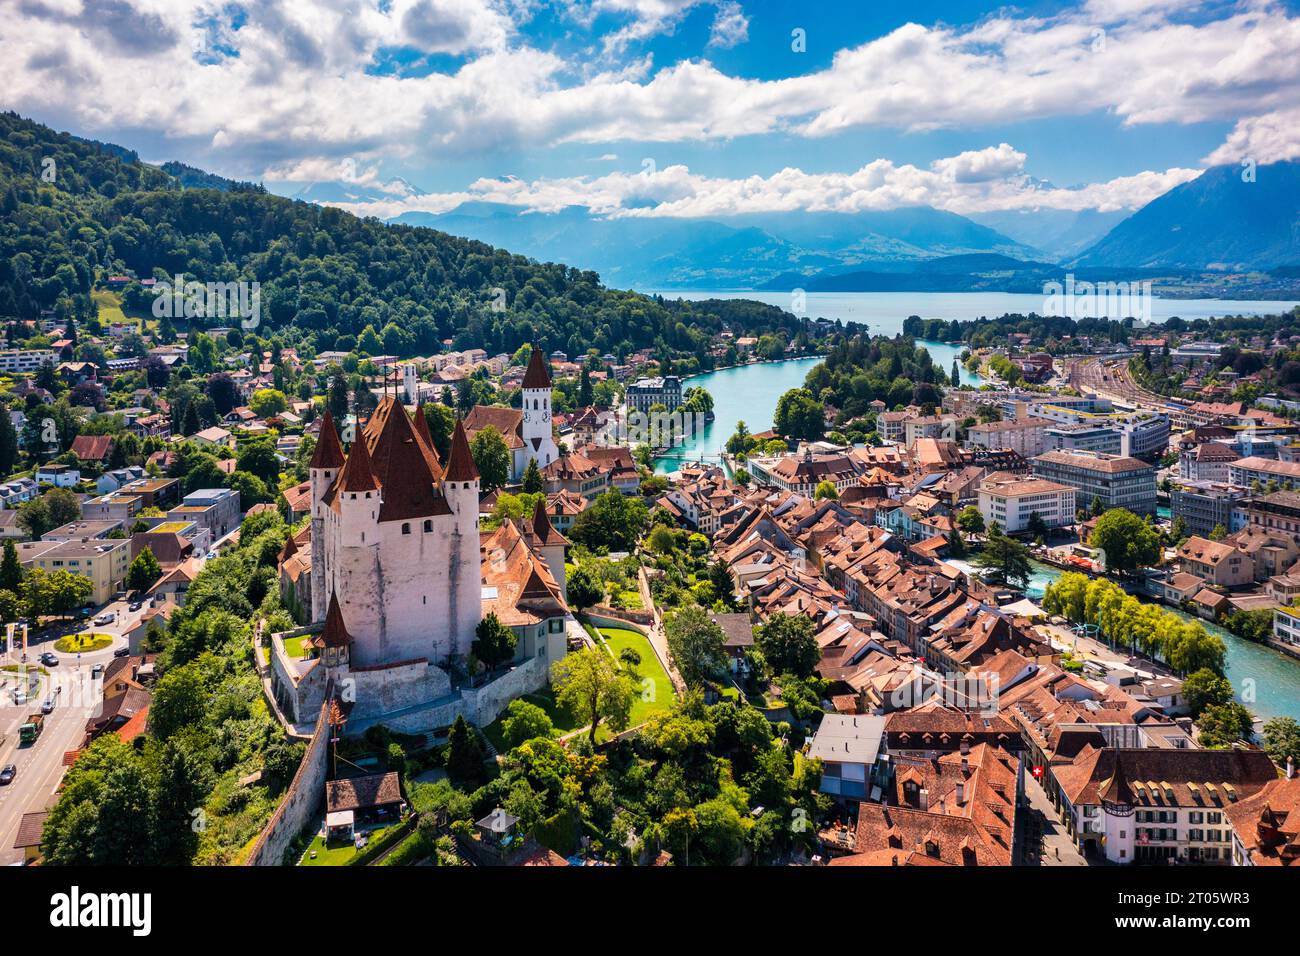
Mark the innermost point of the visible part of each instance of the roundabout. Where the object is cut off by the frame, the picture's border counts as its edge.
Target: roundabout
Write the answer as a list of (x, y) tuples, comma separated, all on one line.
[(83, 643)]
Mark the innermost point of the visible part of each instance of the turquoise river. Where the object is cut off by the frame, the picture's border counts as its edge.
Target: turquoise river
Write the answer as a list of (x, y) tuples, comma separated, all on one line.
[(1269, 682)]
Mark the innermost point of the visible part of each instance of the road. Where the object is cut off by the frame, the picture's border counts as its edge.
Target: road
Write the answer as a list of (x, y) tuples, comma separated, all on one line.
[(40, 765), (1046, 841)]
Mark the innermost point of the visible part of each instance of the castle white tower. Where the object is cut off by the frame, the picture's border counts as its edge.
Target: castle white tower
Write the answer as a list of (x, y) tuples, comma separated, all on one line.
[(398, 542), (537, 427), (460, 486), (326, 462)]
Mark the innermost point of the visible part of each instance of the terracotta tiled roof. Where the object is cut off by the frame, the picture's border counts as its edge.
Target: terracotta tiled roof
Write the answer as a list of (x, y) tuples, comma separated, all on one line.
[(544, 534), (30, 829), (1181, 777), (518, 585), (1268, 823), (508, 421), (402, 464), (92, 447), (426, 438)]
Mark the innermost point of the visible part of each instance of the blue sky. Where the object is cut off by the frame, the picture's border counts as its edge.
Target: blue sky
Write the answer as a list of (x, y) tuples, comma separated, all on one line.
[(673, 107)]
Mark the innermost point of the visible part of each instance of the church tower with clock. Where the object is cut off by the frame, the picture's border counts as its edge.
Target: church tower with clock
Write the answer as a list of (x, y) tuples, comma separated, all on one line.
[(537, 426)]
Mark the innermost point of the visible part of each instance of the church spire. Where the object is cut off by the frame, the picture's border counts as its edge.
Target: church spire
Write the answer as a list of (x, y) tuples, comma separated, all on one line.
[(460, 463), (328, 453), (537, 375)]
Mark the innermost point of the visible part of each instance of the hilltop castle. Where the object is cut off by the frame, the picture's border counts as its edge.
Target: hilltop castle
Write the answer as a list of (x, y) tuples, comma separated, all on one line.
[(398, 580)]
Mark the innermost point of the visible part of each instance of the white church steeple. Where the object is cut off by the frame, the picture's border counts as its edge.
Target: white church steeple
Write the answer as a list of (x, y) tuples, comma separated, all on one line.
[(538, 427)]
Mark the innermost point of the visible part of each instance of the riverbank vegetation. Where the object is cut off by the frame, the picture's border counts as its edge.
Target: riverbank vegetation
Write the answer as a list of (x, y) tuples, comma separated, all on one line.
[(1185, 646)]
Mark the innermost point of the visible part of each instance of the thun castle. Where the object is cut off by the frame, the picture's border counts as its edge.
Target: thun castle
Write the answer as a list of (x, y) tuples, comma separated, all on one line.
[(400, 577)]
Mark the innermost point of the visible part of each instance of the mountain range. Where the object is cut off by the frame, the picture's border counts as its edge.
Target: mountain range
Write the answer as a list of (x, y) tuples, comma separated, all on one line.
[(1201, 236), (731, 252), (1228, 219)]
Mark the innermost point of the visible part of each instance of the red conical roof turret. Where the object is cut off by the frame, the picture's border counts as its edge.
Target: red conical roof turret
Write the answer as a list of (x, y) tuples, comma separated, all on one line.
[(358, 474), (328, 453), (460, 463)]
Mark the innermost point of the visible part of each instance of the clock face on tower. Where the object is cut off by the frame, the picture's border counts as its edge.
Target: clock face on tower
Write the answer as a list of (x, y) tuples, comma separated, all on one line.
[(528, 417)]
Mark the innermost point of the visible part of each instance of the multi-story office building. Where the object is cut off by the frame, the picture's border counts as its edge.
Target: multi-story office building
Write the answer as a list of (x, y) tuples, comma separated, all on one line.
[(1286, 626), (1205, 505), (1118, 482), (1245, 471), (215, 510), (891, 425), (104, 560), (1207, 461), (1095, 425), (929, 426)]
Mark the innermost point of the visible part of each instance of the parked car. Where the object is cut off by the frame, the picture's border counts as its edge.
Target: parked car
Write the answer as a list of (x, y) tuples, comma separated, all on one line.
[(136, 605), (97, 671), (107, 617), (7, 775), (122, 652), (47, 705)]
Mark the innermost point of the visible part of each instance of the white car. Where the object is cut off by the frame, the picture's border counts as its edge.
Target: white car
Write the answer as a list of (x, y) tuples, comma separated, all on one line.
[(106, 618)]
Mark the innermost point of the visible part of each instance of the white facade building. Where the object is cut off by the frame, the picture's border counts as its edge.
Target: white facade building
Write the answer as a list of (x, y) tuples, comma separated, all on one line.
[(1010, 501)]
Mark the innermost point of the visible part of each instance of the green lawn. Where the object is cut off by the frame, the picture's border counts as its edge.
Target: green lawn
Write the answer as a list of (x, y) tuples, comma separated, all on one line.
[(652, 697), (544, 699), (337, 855), (297, 646), (109, 305)]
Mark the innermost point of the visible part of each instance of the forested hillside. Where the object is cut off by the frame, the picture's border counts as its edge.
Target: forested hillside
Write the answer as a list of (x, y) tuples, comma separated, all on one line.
[(74, 210)]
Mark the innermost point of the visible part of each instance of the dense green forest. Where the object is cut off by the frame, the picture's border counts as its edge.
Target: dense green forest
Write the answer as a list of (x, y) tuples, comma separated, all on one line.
[(1049, 332), (860, 370), (74, 210)]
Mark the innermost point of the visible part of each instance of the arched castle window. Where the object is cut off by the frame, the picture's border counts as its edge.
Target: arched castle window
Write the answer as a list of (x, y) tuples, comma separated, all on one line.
[(428, 527), (406, 527)]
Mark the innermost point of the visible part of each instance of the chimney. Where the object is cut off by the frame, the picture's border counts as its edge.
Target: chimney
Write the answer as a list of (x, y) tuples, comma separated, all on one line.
[(924, 799), (961, 793), (1290, 768), (943, 804)]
